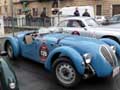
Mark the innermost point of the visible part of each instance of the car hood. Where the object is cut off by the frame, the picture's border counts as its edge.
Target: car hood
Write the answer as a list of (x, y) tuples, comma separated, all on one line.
[(74, 41)]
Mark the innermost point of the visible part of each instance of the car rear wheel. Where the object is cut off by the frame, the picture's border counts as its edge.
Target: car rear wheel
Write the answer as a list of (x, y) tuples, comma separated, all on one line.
[(9, 50), (65, 73)]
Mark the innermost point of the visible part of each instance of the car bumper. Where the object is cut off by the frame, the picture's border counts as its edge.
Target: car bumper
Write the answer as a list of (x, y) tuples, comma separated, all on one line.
[(116, 71)]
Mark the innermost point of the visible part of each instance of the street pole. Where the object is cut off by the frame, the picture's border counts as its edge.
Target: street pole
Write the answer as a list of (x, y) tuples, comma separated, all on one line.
[(58, 11), (12, 15)]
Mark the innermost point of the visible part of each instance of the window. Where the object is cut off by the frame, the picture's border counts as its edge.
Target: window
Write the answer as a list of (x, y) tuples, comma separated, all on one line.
[(19, 11), (63, 24), (115, 9), (0, 10), (98, 9), (0, 1), (75, 23), (35, 11), (91, 23), (6, 9)]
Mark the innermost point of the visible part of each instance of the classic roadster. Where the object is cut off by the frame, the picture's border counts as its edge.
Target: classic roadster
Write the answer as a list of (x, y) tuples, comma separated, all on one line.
[(69, 57), (8, 80)]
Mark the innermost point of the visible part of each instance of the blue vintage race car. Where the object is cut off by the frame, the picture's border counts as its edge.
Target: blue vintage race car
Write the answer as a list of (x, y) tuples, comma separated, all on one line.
[(70, 58)]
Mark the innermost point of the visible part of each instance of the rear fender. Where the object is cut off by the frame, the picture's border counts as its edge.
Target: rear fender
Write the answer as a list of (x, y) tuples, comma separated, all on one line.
[(15, 45), (74, 56)]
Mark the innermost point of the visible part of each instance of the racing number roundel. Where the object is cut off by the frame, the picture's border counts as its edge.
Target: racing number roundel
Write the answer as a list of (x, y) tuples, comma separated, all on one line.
[(43, 52), (75, 33)]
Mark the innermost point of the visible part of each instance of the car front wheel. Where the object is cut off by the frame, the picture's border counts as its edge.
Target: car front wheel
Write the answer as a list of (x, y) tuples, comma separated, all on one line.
[(65, 73)]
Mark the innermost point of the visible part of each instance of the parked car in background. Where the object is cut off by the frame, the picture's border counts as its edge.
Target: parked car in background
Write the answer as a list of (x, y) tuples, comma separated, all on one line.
[(8, 80), (86, 26), (113, 20), (69, 57), (100, 19), (117, 25)]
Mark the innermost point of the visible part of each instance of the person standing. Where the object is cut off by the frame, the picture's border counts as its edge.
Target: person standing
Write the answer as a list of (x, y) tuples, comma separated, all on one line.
[(76, 12), (55, 4), (43, 16), (28, 18), (86, 13)]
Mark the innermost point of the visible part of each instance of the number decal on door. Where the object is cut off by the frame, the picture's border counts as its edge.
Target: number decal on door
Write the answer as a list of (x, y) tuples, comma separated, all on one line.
[(75, 33), (43, 52)]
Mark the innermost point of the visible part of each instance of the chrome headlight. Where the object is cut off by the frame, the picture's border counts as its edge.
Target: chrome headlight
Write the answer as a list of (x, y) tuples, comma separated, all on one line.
[(113, 48), (87, 57), (12, 85)]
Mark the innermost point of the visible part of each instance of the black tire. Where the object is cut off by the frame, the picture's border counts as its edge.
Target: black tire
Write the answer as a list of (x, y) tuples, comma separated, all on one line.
[(68, 77), (115, 39), (9, 50)]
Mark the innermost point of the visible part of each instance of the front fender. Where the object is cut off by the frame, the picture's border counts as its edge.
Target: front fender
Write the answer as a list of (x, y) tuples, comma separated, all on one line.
[(15, 45), (74, 56), (112, 42), (7, 75)]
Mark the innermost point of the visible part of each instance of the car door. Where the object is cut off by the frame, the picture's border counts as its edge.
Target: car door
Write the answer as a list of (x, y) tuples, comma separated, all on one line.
[(29, 47)]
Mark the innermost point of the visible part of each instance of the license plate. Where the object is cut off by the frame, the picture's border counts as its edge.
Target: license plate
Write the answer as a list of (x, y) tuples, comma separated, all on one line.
[(116, 71)]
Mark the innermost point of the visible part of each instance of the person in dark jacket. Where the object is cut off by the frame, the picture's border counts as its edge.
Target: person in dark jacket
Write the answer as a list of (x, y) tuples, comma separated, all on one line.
[(86, 13), (28, 19), (55, 4), (43, 16), (76, 12)]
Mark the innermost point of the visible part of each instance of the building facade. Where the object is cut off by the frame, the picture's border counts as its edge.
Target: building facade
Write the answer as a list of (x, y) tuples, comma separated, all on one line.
[(101, 7), (5, 7)]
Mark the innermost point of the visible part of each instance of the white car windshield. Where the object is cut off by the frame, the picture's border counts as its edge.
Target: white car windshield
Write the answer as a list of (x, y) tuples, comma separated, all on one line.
[(92, 23)]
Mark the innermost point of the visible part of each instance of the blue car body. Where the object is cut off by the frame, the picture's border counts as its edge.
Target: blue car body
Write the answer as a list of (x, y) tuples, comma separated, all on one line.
[(46, 48)]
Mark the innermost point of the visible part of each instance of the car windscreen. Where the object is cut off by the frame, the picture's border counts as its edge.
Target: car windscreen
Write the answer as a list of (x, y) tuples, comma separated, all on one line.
[(92, 23)]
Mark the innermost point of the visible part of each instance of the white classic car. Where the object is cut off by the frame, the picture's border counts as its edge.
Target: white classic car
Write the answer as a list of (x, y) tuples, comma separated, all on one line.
[(86, 26)]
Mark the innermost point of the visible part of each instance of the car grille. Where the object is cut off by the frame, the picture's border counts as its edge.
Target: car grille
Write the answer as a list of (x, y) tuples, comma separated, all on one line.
[(109, 55)]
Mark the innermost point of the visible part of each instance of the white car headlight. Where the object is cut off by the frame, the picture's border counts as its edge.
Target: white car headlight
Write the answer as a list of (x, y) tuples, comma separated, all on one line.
[(12, 85), (113, 48), (87, 57)]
